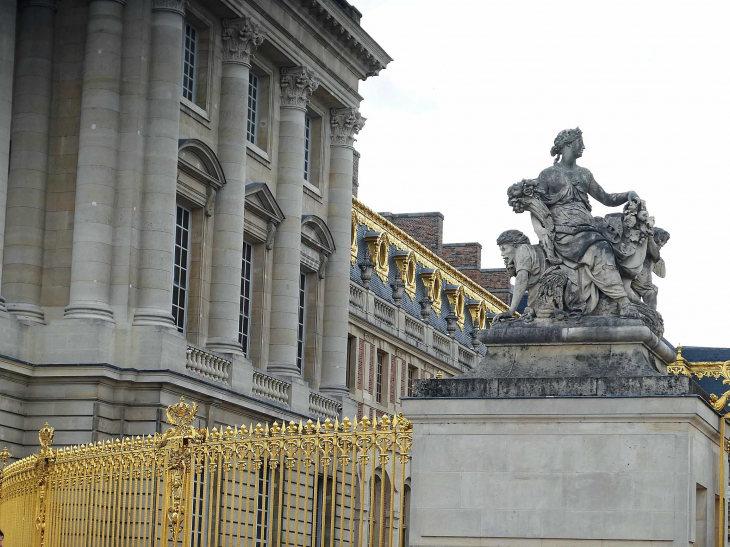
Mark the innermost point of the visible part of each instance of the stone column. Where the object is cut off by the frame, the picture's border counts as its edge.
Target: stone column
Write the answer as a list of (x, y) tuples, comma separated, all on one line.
[(91, 259), (25, 215), (7, 59), (297, 85), (345, 123), (154, 300), (240, 38)]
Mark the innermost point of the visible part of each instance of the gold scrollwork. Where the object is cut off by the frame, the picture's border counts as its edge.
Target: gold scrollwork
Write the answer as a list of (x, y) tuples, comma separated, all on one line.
[(478, 311), (407, 264), (457, 297), (433, 280), (379, 245), (704, 370)]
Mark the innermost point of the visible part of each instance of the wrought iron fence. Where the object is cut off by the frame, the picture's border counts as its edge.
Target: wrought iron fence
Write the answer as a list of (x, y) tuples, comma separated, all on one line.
[(308, 485)]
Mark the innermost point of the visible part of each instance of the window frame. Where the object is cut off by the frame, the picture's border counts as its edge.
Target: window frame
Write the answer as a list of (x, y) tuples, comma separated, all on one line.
[(379, 375), (308, 137), (187, 23), (185, 307), (410, 377), (253, 121), (243, 314), (301, 321)]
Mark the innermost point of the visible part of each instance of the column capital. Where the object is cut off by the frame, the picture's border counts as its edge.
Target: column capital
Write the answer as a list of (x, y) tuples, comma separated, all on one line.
[(345, 124), (175, 6), (241, 37), (297, 85), (50, 4)]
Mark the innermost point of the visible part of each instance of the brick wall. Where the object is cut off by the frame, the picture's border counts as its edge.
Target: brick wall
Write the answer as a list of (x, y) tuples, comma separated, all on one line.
[(462, 255), (427, 228), (495, 280)]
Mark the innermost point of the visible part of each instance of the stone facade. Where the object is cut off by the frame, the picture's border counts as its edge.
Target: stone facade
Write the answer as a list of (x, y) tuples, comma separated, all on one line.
[(178, 210)]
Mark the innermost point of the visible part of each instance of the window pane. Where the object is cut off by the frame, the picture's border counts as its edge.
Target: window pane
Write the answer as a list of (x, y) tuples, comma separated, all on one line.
[(190, 49), (253, 107), (181, 268), (307, 145), (244, 333), (300, 330)]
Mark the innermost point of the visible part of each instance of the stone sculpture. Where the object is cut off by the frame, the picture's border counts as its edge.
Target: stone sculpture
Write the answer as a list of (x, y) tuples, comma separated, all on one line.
[(583, 265)]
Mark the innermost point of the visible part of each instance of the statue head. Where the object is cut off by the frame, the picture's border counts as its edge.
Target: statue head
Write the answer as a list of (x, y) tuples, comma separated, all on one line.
[(508, 242), (570, 138), (660, 237)]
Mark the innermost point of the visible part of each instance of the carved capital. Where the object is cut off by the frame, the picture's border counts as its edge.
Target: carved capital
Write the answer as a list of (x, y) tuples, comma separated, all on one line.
[(50, 4), (175, 6), (240, 38), (297, 85), (346, 123)]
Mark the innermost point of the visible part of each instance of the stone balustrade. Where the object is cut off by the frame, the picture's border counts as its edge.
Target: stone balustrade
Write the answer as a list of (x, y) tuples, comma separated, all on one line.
[(208, 365), (467, 358), (324, 407), (357, 297), (415, 329), (270, 388), (384, 312), (417, 333)]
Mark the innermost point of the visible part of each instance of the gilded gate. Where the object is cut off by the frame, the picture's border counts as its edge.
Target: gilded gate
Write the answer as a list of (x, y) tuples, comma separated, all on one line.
[(308, 485)]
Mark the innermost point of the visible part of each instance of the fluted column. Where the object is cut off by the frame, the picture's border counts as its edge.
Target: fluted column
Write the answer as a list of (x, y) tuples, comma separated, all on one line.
[(345, 123), (91, 259), (7, 59), (297, 85), (25, 216), (154, 302), (240, 38)]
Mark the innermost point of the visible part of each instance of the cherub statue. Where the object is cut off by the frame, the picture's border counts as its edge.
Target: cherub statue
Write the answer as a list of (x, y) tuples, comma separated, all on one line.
[(642, 285)]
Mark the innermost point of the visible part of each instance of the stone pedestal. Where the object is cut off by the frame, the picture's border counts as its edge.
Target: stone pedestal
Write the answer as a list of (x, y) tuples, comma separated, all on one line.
[(608, 458)]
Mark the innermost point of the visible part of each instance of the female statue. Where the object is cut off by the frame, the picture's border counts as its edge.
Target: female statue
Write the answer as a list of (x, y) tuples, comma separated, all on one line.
[(572, 237)]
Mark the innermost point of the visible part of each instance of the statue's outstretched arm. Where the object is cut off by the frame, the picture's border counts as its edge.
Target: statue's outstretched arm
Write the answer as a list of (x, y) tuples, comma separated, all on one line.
[(609, 200)]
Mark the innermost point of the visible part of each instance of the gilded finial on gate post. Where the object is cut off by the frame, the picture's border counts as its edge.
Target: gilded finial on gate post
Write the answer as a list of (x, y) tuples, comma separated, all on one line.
[(439, 375), (5, 455)]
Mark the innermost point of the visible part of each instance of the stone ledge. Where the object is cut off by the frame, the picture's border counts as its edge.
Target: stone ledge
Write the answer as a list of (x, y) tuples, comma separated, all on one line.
[(637, 386)]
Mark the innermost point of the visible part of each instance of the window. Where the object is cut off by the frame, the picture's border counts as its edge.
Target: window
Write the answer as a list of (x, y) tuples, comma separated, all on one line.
[(300, 329), (244, 317), (253, 107), (379, 378), (262, 508), (190, 54), (181, 267), (351, 359), (307, 147), (411, 377)]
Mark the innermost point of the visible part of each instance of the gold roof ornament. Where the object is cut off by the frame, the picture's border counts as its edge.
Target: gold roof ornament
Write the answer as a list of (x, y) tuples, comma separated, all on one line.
[(424, 256), (407, 264), (5, 455), (457, 297), (433, 280), (701, 370)]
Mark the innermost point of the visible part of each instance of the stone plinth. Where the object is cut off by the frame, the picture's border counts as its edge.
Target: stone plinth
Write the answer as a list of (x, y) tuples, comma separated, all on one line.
[(586, 451)]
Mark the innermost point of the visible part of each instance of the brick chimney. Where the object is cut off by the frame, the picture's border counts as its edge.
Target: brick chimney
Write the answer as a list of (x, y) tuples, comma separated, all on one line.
[(426, 228), (463, 255)]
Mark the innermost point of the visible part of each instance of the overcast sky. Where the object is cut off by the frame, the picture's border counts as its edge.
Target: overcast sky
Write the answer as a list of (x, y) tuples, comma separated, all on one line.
[(478, 90)]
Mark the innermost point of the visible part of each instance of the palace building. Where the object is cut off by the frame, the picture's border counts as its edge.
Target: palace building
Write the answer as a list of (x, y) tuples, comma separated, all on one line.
[(177, 201)]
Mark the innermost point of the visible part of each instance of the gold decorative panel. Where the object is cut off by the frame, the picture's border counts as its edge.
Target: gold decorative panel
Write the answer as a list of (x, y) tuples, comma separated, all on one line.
[(433, 280), (456, 296), (406, 261), (379, 245), (478, 311)]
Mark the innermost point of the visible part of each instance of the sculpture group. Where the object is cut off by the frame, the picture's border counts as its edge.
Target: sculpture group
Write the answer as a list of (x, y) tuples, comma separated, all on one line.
[(583, 265)]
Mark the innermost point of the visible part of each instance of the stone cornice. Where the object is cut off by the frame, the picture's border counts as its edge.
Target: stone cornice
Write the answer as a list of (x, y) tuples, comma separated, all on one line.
[(240, 38), (354, 39), (404, 242), (345, 123), (297, 85), (175, 6)]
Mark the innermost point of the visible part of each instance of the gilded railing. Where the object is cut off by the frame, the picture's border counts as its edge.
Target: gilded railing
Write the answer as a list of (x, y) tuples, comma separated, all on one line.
[(308, 485)]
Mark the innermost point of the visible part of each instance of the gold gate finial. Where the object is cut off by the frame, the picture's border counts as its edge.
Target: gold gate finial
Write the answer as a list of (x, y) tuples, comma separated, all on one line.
[(5, 455)]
